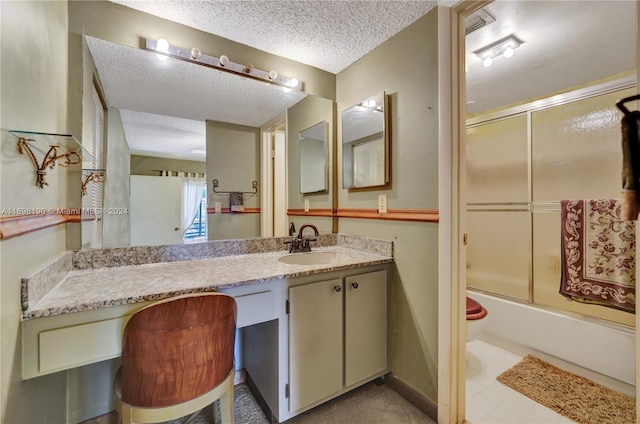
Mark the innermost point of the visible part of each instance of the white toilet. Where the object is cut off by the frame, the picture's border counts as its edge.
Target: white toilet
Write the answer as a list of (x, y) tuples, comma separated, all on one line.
[(475, 319)]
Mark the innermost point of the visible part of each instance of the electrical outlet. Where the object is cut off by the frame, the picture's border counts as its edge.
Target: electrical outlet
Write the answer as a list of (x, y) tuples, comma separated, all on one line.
[(306, 205), (218, 207), (382, 203)]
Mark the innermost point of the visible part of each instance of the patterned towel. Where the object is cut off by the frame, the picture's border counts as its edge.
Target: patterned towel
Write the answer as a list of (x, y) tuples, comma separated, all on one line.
[(598, 254)]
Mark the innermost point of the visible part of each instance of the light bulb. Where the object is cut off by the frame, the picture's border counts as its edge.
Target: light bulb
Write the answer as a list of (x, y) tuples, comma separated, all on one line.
[(224, 60), (369, 103), (273, 75), (508, 52), (195, 53), (487, 62), (293, 82), (162, 45)]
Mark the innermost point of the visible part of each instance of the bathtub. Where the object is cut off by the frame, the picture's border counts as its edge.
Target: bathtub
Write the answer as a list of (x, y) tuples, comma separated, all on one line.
[(607, 350)]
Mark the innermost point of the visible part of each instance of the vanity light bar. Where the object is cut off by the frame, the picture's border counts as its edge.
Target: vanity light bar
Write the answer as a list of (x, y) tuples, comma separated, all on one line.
[(194, 55)]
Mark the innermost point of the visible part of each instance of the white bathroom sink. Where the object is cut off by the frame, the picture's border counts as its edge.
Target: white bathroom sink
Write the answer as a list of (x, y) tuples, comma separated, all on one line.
[(315, 258)]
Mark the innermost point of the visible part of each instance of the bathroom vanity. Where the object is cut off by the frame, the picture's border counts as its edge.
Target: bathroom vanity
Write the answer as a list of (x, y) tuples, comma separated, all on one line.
[(312, 329)]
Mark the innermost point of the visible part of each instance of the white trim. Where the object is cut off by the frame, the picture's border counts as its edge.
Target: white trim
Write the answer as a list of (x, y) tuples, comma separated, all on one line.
[(452, 259), (448, 407), (557, 100), (266, 184), (266, 172)]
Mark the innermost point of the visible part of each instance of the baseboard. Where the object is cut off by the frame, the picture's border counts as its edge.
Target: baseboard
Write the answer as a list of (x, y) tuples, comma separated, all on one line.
[(415, 398), (240, 377)]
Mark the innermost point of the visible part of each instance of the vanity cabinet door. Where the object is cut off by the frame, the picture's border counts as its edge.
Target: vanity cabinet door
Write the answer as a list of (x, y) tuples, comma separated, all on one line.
[(365, 326), (315, 342)]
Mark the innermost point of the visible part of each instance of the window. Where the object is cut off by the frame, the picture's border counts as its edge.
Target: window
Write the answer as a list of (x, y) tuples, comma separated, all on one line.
[(198, 230)]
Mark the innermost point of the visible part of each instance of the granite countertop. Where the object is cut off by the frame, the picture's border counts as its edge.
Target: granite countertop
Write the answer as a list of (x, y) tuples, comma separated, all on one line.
[(82, 290)]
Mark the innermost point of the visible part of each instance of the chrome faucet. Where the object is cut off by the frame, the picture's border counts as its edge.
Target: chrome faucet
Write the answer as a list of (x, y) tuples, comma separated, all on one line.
[(299, 243)]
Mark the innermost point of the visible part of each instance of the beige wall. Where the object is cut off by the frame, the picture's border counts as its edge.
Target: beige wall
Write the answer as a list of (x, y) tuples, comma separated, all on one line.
[(34, 98), (116, 223), (303, 115), (405, 67), (233, 158)]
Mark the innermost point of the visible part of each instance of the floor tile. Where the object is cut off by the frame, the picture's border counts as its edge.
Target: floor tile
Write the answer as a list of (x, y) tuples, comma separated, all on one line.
[(491, 402)]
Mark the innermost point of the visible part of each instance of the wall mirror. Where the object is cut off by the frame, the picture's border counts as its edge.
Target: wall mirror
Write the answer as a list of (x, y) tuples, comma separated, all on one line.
[(314, 169), (137, 86), (365, 143)]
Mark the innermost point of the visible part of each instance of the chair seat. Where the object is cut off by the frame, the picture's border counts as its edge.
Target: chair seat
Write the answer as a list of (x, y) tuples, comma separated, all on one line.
[(177, 358)]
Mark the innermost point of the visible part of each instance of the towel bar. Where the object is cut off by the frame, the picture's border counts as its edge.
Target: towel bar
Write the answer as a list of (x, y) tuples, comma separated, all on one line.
[(254, 185), (620, 103)]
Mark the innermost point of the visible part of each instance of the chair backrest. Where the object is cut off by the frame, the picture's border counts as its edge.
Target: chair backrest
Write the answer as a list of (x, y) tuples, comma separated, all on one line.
[(177, 349)]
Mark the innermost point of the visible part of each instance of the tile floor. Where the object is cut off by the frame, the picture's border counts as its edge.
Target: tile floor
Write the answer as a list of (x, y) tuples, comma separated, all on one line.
[(491, 402)]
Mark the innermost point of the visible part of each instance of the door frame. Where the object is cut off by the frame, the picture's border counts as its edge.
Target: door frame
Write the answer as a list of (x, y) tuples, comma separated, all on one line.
[(279, 123), (452, 256)]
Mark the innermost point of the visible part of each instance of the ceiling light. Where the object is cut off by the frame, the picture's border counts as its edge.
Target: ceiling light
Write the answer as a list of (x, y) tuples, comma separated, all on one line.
[(194, 55), (369, 103), (505, 46), (508, 52)]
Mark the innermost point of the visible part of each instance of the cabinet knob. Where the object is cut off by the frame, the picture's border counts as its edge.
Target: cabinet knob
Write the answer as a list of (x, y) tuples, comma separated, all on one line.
[(338, 288), (354, 284)]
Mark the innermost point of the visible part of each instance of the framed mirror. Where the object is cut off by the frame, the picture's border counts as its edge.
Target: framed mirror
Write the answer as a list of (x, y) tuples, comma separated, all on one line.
[(314, 170), (365, 143)]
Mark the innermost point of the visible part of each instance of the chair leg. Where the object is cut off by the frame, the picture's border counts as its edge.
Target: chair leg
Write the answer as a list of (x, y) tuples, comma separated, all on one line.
[(226, 405), (126, 415), (211, 413)]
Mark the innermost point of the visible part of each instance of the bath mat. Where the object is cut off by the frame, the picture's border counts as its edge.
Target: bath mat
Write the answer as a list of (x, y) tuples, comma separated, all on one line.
[(575, 397)]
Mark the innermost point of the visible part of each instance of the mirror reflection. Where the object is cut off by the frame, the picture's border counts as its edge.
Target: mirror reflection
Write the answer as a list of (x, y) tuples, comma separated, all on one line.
[(159, 129), (365, 143), (313, 159)]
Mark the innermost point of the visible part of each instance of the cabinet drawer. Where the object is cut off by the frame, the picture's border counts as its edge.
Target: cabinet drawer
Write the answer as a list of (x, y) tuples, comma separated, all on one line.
[(255, 308), (68, 347)]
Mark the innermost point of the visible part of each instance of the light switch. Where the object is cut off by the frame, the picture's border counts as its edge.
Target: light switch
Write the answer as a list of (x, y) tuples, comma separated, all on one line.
[(218, 207), (382, 203), (306, 205)]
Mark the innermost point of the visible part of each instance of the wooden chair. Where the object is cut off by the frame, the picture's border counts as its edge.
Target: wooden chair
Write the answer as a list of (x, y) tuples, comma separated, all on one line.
[(177, 358)]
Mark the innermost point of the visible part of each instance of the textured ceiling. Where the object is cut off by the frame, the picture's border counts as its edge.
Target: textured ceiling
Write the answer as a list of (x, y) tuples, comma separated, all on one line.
[(175, 138), (329, 35), (136, 80), (566, 44)]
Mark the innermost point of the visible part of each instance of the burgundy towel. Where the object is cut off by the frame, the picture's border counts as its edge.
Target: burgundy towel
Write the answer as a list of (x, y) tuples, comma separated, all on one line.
[(598, 254)]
